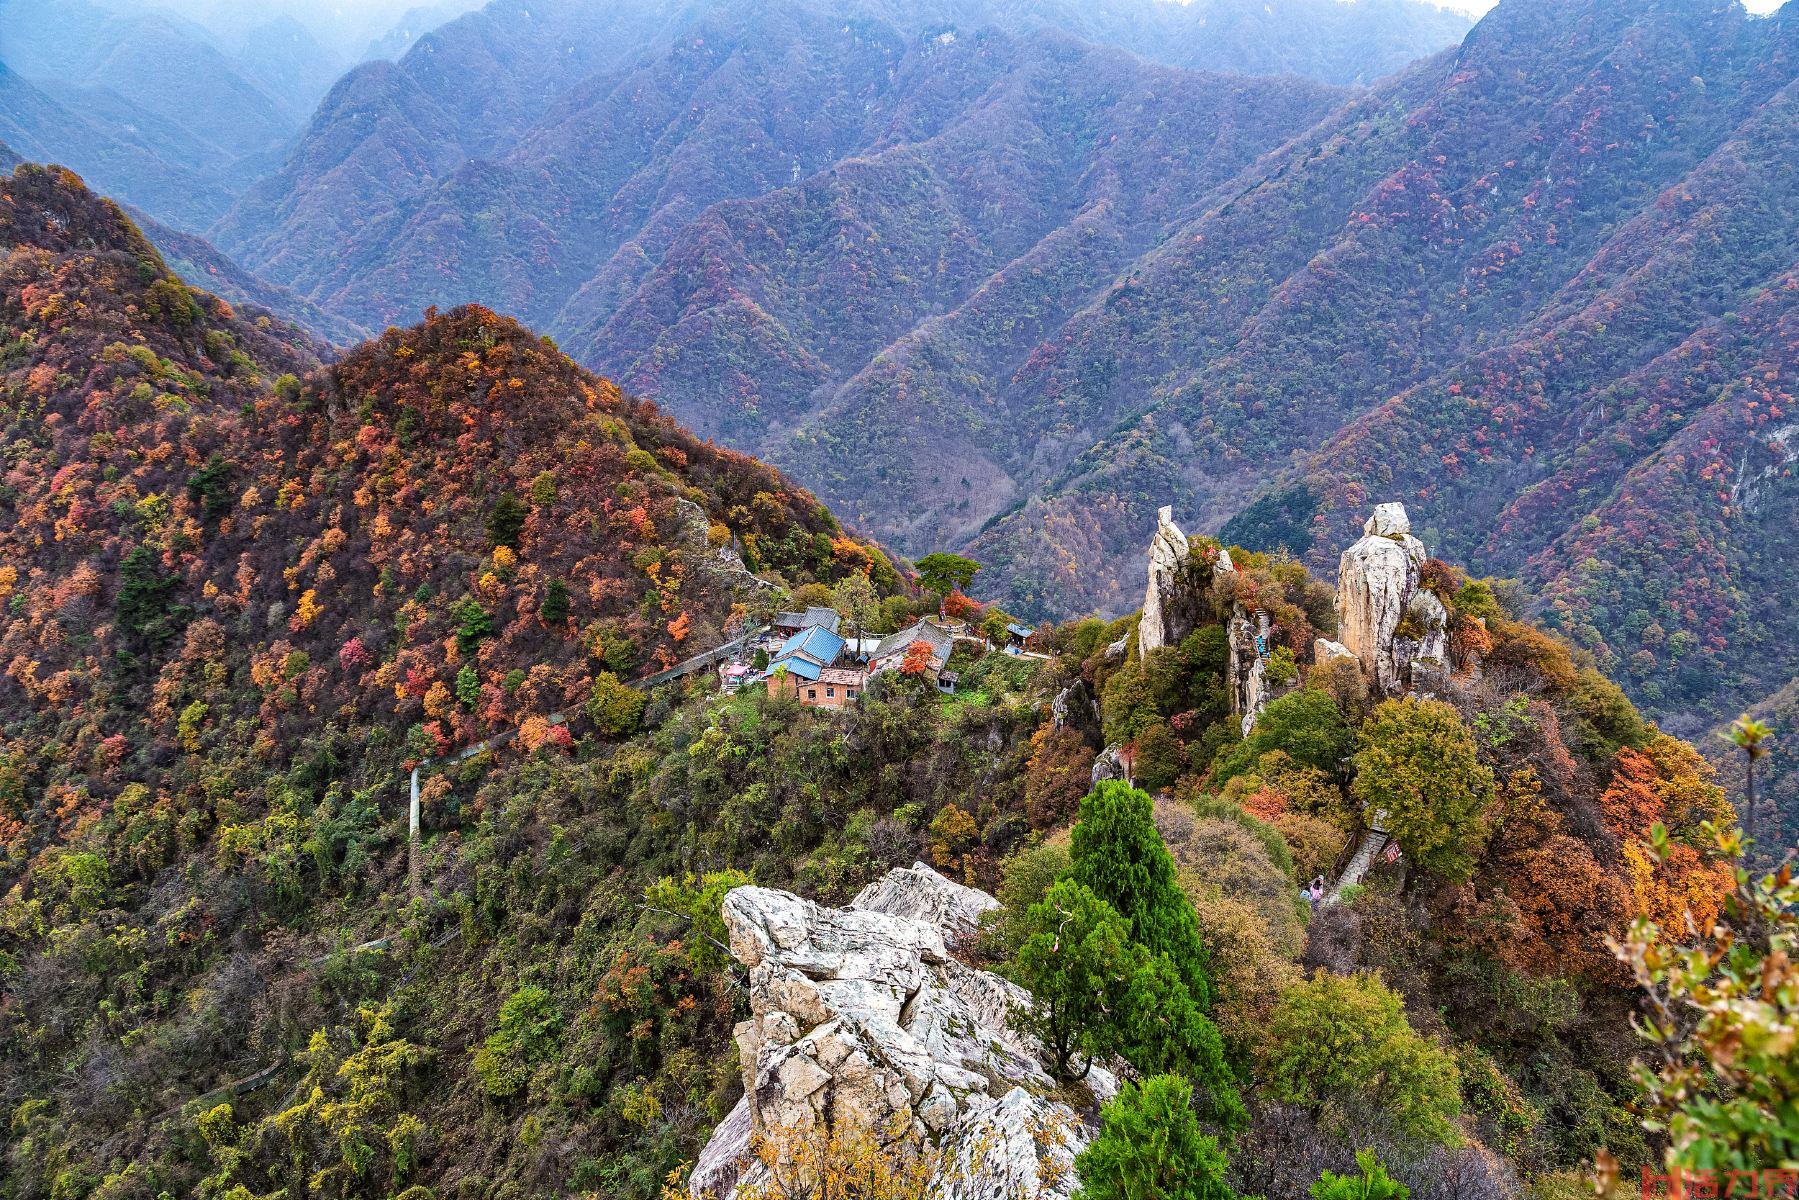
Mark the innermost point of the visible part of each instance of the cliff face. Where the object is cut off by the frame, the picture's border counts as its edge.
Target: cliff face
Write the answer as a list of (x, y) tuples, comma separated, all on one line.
[(862, 1024)]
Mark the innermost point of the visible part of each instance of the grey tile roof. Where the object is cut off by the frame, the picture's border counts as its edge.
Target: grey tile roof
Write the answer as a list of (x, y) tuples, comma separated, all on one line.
[(919, 631)]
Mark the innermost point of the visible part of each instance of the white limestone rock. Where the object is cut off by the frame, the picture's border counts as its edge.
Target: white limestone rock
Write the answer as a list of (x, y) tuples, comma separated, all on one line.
[(828, 943), (924, 895), (721, 1162), (1422, 657), (860, 1015), (1389, 520), (1222, 567), (1375, 578), (1248, 672), (1377, 584), (1108, 765), (1021, 1148), (1324, 650), (1167, 552)]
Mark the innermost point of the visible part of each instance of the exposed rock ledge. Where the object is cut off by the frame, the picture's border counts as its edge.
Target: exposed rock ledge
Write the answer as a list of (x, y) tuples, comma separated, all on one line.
[(924, 895), (860, 1015)]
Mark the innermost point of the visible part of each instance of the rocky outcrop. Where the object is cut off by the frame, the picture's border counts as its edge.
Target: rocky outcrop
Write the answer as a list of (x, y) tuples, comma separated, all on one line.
[(861, 1015), (922, 894), (1397, 630), (1222, 568), (1109, 765), (1074, 707), (1421, 645), (1248, 669), (1161, 624), (724, 563)]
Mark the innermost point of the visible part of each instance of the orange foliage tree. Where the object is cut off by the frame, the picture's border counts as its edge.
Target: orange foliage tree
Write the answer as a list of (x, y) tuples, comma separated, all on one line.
[(918, 658), (1668, 785), (960, 607)]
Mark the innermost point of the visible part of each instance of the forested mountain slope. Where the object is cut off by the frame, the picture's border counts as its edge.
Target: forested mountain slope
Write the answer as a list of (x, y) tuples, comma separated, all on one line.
[(151, 64), (214, 106), (200, 523), (200, 263), (243, 593), (200, 120), (236, 587), (1538, 286), (1318, 39), (759, 313), (400, 150), (39, 127), (414, 24)]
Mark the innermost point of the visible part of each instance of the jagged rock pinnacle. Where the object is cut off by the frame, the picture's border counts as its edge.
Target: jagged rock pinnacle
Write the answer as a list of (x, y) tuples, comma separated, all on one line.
[(1384, 617), (1167, 552)]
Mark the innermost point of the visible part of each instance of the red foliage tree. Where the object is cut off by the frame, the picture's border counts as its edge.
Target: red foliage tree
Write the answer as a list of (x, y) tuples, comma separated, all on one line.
[(918, 659)]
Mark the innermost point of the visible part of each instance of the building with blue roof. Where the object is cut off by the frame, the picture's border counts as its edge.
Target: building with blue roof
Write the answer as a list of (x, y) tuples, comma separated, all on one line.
[(805, 667), (806, 653), (1018, 637)]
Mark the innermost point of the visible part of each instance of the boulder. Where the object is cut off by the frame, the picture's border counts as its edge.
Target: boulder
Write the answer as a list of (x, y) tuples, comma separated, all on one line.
[(1108, 765), (1389, 520), (1324, 650), (1375, 578), (1222, 568), (861, 1016), (1021, 1148), (1160, 625)]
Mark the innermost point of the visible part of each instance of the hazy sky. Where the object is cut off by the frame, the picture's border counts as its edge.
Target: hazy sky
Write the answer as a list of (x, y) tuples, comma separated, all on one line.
[(1480, 6), (351, 23), (333, 11)]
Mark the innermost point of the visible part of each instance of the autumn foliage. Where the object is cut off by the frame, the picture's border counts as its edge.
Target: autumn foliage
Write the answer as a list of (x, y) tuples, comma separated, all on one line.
[(451, 532), (917, 660)]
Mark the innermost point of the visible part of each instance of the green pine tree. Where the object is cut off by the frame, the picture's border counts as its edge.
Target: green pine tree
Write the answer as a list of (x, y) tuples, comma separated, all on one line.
[(1119, 854), (1077, 963), (1166, 1033), (554, 609), (1372, 1184), (1150, 1148)]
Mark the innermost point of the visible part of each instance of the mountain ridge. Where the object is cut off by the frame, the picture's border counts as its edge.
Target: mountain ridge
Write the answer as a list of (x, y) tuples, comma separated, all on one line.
[(1364, 458), (300, 473), (38, 127), (502, 45)]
